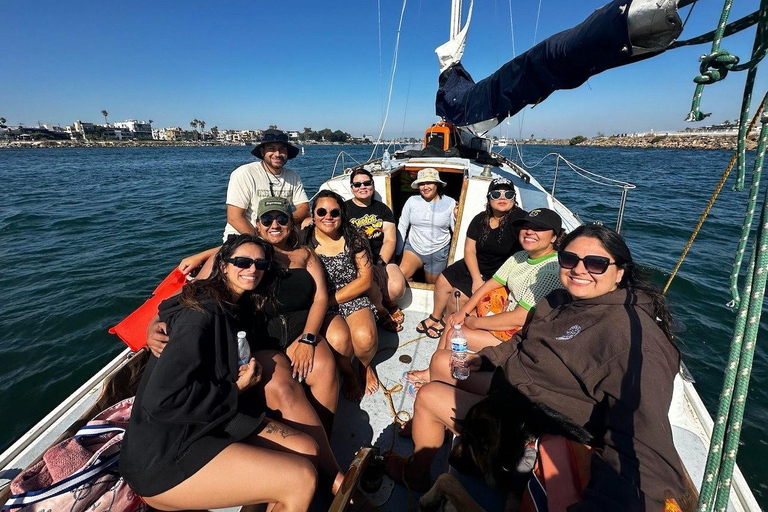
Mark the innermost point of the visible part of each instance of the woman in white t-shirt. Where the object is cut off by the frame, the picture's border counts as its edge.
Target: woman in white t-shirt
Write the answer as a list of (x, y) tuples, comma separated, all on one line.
[(426, 224)]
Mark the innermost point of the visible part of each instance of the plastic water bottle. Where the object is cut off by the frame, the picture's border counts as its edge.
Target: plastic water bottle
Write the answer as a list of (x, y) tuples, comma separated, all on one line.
[(243, 349), (386, 162), (459, 366)]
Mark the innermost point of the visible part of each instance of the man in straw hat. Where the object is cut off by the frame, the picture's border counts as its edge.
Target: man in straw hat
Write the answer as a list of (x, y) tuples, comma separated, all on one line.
[(252, 182)]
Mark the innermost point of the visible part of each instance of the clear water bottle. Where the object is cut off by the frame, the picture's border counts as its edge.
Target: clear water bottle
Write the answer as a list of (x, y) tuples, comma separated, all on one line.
[(243, 349), (386, 162), (459, 366)]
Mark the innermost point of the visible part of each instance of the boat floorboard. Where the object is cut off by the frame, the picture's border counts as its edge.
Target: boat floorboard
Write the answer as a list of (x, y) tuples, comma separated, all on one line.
[(371, 422)]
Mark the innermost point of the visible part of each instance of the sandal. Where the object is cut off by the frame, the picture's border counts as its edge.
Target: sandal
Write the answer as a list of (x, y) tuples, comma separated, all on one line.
[(435, 332), (412, 385), (422, 327), (390, 324), (396, 466)]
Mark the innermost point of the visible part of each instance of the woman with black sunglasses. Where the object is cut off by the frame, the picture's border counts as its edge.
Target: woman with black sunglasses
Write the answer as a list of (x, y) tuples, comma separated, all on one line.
[(600, 352), (193, 441), (491, 239), (346, 257), (289, 344)]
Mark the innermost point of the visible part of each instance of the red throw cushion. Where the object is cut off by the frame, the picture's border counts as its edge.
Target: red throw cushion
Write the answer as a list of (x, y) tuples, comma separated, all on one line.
[(133, 329)]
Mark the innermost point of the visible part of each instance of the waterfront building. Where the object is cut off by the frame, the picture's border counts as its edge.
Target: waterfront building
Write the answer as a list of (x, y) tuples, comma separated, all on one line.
[(139, 130)]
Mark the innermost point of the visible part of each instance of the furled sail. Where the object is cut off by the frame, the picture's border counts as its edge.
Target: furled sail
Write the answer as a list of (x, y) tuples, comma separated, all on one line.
[(619, 33)]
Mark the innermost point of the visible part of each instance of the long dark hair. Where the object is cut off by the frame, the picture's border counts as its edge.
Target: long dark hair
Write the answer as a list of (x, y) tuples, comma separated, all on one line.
[(352, 237), (633, 279), (216, 285), (486, 224)]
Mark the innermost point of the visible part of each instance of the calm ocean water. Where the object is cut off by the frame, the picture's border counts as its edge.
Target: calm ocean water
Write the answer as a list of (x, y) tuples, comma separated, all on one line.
[(86, 235)]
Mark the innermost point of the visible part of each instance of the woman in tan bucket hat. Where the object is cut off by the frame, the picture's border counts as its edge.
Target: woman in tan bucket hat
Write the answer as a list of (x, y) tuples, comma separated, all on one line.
[(426, 223)]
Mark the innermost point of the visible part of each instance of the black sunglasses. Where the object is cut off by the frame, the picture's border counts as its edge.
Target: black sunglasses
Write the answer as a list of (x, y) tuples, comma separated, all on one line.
[(322, 212), (593, 264), (267, 219), (496, 194), (271, 137), (358, 184), (245, 263)]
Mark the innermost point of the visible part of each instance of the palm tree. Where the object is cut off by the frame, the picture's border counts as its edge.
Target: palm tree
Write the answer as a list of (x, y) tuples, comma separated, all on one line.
[(2, 121), (202, 128), (105, 114)]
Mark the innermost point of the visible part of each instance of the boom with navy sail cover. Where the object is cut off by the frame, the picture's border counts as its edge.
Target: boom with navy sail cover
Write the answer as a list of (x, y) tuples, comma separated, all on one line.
[(619, 33)]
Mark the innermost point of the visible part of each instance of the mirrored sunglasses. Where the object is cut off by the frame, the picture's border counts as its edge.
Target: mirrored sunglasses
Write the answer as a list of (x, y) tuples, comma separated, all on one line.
[(593, 264), (358, 184), (322, 212), (245, 263), (267, 219), (271, 137), (497, 194)]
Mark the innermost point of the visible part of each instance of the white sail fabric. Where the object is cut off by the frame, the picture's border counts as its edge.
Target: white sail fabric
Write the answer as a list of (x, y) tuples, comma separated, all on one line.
[(451, 52)]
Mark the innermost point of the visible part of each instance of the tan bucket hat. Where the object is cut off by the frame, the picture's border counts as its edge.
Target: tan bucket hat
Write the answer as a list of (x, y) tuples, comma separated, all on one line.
[(428, 175)]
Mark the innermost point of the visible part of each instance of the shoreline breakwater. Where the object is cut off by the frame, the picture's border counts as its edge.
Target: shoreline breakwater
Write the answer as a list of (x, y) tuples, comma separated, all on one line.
[(662, 141)]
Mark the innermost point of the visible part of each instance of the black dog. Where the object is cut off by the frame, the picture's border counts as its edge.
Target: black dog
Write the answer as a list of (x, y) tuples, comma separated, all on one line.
[(497, 429)]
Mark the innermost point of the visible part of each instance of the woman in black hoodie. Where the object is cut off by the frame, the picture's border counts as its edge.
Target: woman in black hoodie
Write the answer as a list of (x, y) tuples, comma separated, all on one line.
[(190, 444), (599, 352)]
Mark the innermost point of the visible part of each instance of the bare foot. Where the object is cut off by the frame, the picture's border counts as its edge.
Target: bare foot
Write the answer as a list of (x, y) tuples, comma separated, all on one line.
[(368, 374), (351, 389), (418, 376)]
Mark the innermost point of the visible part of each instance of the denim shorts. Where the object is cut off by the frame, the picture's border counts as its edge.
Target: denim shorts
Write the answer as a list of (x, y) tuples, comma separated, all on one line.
[(433, 263)]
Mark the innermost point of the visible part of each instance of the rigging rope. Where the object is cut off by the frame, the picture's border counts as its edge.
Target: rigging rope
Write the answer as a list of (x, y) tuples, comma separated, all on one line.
[(724, 442), (718, 472), (714, 67), (512, 30), (381, 75), (731, 28), (391, 79), (709, 206)]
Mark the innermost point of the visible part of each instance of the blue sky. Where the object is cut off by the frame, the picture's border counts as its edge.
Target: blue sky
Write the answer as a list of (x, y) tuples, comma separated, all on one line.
[(248, 64)]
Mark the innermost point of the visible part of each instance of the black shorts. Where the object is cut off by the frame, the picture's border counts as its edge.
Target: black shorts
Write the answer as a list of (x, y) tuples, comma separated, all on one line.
[(459, 277)]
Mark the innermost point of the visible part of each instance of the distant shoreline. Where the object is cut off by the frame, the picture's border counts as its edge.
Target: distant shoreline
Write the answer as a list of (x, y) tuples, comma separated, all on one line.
[(16, 144), (673, 141)]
